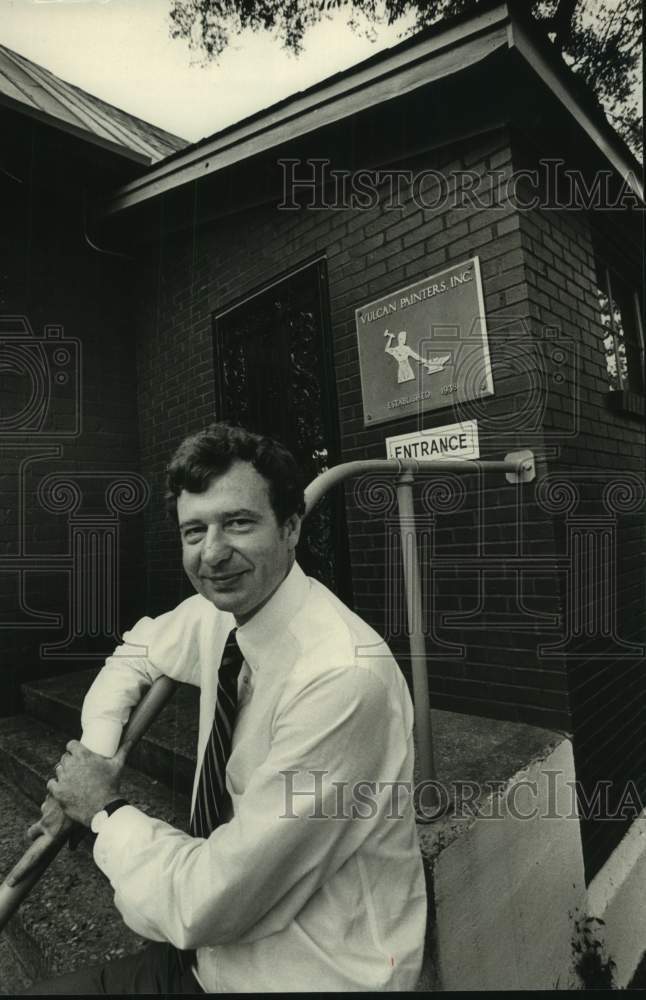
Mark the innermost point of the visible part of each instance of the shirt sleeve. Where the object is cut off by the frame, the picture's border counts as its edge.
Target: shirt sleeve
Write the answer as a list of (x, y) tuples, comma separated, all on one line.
[(291, 830), (166, 645), (117, 688)]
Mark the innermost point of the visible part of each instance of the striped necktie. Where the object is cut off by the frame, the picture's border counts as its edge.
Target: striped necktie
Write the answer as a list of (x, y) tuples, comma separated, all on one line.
[(212, 799)]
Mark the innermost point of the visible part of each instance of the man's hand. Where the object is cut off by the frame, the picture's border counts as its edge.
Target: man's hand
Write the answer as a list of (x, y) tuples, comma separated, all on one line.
[(85, 781), (51, 822)]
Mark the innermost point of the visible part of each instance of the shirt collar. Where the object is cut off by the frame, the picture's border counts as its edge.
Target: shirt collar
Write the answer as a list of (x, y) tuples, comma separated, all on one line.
[(255, 636)]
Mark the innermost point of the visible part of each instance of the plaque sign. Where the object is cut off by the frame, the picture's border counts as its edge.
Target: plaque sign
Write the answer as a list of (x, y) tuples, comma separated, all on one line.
[(424, 346)]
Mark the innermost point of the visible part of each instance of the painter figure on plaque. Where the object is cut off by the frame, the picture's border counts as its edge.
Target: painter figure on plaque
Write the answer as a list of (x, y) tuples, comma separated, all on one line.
[(403, 352)]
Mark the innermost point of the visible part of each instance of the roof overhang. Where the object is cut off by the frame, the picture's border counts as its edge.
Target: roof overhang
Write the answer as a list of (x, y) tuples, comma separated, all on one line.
[(447, 50), (37, 92), (76, 130), (556, 80)]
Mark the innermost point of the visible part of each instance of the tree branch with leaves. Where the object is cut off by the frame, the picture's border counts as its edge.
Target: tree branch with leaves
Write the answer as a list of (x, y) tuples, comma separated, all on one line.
[(601, 40)]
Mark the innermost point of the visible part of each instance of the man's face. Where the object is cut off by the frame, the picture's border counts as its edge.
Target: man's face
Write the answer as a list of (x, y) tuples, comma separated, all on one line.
[(234, 551)]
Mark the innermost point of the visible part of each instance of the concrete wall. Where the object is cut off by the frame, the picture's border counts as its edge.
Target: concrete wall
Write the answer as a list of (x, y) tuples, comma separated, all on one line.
[(614, 930), (508, 884)]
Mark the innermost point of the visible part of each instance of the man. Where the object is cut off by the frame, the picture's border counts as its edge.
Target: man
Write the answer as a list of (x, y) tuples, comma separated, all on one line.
[(303, 873)]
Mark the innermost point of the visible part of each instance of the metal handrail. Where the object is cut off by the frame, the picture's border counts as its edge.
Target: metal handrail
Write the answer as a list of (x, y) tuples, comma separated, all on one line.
[(518, 467)]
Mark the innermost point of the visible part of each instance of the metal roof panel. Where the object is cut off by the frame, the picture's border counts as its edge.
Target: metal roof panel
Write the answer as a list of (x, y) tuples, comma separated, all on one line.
[(41, 92)]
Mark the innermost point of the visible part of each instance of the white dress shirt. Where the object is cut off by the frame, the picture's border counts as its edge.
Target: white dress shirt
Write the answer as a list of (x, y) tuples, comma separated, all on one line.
[(297, 892)]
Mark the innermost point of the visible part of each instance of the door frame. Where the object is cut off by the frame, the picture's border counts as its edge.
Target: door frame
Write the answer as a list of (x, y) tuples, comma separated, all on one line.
[(329, 399)]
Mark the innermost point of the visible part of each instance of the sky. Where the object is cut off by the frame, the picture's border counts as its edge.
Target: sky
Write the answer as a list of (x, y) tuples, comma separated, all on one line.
[(121, 51)]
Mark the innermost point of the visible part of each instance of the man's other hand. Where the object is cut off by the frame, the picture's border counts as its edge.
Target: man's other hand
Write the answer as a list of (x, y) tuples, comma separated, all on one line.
[(51, 822), (85, 782)]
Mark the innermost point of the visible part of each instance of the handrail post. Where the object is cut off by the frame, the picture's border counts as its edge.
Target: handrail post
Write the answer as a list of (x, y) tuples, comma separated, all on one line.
[(413, 588)]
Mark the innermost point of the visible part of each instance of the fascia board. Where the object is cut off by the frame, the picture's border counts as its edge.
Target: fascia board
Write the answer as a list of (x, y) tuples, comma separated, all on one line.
[(520, 39), (403, 71)]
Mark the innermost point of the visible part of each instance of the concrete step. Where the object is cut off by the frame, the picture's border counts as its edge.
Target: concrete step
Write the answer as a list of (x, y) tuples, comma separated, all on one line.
[(68, 920), (14, 977), (30, 749), (167, 752)]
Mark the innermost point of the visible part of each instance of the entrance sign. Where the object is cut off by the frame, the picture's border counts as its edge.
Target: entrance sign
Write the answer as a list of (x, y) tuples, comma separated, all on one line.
[(425, 346), (451, 441)]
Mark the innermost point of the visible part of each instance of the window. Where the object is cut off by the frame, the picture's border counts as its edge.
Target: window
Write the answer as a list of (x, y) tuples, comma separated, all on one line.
[(623, 338)]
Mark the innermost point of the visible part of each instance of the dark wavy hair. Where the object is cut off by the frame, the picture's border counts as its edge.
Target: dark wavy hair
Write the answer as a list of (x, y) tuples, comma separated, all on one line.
[(211, 452)]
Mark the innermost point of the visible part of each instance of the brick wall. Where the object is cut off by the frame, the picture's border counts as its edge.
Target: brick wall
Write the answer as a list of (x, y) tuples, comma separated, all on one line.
[(596, 489), (88, 433)]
